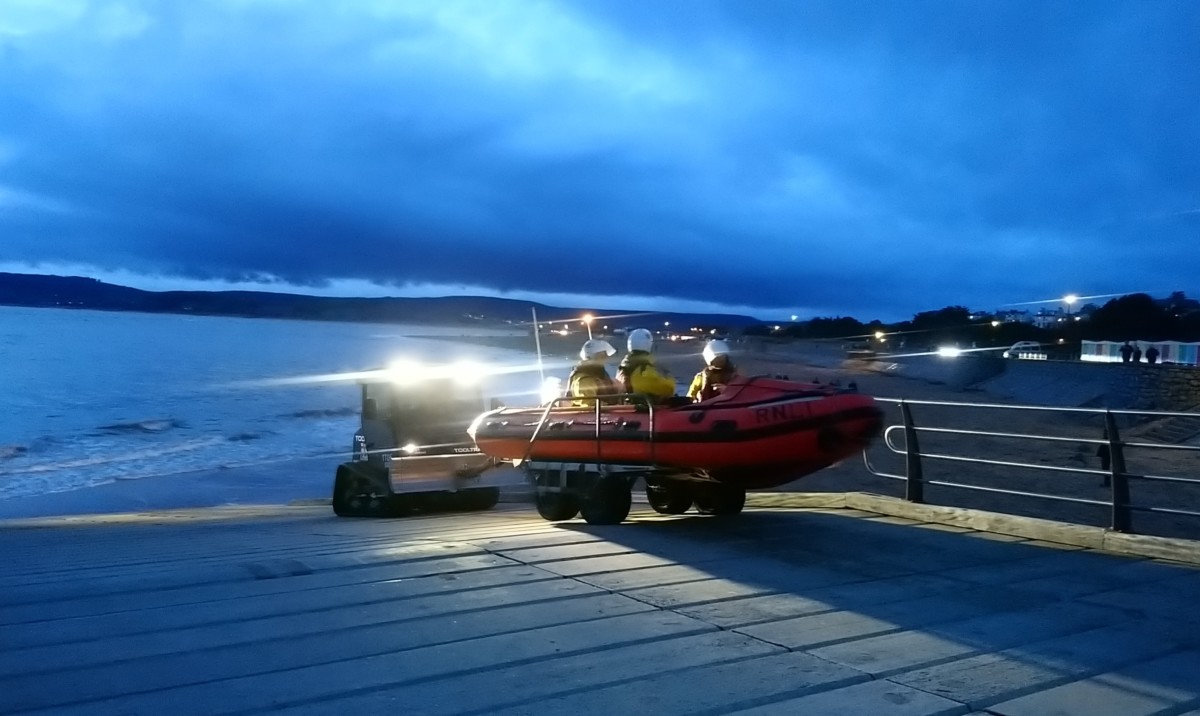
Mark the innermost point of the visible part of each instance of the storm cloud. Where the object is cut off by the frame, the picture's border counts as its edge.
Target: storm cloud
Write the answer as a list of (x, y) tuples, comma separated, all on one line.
[(867, 159)]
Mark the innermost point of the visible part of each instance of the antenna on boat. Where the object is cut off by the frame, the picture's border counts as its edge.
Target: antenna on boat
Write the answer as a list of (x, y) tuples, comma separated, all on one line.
[(537, 339)]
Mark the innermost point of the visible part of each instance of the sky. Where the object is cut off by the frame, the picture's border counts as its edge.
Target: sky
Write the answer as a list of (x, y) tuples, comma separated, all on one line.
[(771, 158)]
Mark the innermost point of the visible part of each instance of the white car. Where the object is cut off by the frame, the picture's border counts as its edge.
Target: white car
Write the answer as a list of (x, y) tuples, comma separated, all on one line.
[(1025, 347)]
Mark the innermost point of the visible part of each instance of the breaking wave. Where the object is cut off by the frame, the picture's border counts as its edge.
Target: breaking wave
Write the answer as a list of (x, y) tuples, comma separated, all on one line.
[(157, 425), (324, 413), (8, 452)]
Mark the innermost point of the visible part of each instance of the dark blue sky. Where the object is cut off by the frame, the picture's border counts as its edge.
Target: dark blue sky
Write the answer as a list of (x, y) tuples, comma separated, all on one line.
[(765, 157)]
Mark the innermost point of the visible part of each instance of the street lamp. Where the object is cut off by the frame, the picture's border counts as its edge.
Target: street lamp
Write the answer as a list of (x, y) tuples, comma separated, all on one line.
[(587, 321), (1070, 299)]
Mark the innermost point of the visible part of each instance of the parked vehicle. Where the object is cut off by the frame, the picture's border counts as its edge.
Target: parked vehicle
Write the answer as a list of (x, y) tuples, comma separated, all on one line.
[(1028, 350)]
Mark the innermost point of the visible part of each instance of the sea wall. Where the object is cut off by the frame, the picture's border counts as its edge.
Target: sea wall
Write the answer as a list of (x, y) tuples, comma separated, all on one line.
[(1061, 383), (1104, 385)]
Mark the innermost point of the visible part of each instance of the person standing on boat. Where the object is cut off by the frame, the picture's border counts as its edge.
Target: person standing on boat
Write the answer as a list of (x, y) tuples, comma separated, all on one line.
[(589, 378), (717, 373), (637, 372)]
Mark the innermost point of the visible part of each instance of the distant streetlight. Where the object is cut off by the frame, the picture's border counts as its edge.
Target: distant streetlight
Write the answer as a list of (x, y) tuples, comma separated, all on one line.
[(1070, 300), (794, 317), (879, 335), (995, 324), (587, 321)]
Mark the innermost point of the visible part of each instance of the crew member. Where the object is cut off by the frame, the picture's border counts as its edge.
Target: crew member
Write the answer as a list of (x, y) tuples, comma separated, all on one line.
[(589, 378), (637, 372), (717, 373)]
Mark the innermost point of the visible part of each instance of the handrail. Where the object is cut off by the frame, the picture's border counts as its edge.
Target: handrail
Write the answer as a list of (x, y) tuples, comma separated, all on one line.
[(1116, 475), (597, 401)]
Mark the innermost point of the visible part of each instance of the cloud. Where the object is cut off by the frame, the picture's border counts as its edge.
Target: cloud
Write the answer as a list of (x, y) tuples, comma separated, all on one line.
[(871, 160)]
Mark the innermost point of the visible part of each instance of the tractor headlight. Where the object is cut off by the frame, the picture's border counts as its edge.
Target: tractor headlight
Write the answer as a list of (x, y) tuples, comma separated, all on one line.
[(551, 389)]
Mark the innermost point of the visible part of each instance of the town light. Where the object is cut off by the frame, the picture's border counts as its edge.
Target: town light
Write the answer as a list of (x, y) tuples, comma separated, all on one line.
[(587, 321)]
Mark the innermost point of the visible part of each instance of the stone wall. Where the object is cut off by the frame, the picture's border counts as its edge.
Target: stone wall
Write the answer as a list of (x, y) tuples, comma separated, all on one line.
[(1061, 383), (1158, 387), (1098, 385)]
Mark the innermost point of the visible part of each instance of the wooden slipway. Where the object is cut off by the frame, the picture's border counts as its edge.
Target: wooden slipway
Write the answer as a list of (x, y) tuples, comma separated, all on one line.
[(781, 610)]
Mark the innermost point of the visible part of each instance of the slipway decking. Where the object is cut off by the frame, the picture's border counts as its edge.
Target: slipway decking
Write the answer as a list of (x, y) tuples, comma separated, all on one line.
[(778, 611)]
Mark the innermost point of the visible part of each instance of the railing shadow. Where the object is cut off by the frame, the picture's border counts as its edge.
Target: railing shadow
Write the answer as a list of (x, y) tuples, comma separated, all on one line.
[(971, 617)]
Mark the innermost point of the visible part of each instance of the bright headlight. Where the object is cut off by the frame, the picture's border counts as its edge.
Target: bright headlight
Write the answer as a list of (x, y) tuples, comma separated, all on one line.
[(404, 372), (551, 389), (467, 372)]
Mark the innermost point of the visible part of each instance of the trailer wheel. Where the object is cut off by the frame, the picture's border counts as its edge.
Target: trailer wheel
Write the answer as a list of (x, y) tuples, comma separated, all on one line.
[(718, 499), (557, 506), (354, 493), (668, 498), (608, 502)]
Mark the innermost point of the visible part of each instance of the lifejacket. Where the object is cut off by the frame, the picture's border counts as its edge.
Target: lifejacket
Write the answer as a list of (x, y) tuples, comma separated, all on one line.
[(591, 371), (637, 373), (713, 381)]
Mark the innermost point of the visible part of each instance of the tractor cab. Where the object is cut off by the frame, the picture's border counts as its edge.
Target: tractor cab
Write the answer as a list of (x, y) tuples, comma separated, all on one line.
[(412, 450)]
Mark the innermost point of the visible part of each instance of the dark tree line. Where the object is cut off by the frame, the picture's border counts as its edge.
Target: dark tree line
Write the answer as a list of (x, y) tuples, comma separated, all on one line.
[(1136, 316), (1140, 317)]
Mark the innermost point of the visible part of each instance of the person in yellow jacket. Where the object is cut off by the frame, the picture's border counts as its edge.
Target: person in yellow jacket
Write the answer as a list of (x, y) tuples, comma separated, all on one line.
[(589, 378), (637, 372), (717, 373)]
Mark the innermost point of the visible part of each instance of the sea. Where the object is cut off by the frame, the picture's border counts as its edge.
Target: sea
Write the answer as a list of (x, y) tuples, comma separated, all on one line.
[(90, 398)]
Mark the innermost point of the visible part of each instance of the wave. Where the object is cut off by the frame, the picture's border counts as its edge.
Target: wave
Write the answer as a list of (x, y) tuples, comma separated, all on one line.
[(158, 425), (244, 437), (324, 413), (147, 455), (8, 452)]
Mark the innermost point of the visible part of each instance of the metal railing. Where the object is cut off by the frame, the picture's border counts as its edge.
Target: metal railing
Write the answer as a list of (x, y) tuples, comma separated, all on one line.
[(598, 402), (1117, 476)]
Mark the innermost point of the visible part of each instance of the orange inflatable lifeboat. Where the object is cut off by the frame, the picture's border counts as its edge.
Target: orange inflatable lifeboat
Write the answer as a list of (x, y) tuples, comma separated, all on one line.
[(760, 432)]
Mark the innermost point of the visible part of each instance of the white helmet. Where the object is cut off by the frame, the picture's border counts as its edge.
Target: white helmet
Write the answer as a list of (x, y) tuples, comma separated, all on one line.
[(640, 340), (714, 349), (594, 347)]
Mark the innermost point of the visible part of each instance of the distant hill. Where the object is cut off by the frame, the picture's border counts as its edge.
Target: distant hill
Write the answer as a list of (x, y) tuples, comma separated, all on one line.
[(33, 290)]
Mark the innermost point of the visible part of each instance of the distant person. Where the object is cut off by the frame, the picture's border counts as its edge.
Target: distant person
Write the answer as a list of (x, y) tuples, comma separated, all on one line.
[(1137, 354), (589, 378), (1152, 355), (1126, 352), (718, 372), (637, 372)]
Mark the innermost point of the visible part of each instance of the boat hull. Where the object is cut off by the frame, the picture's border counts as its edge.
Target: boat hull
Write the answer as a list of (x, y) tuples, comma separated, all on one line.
[(760, 433)]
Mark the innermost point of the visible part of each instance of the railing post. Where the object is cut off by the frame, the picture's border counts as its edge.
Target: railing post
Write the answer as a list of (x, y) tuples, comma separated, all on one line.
[(1122, 520), (914, 485)]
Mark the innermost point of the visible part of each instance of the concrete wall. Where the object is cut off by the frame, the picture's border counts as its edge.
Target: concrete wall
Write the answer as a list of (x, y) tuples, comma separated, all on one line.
[(1061, 383), (1100, 385)]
